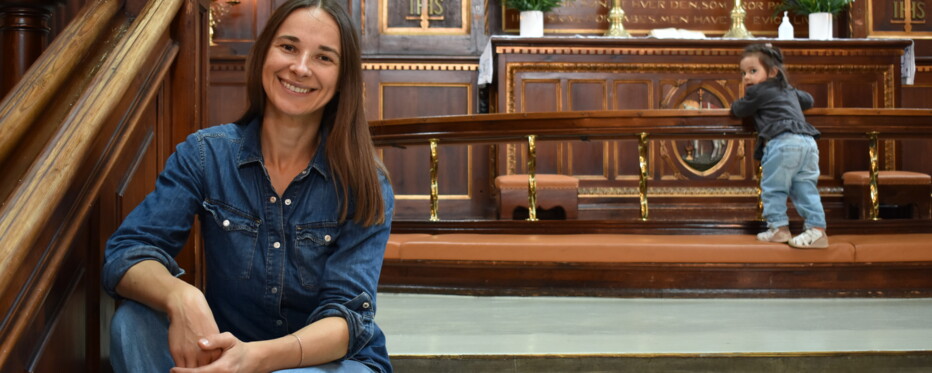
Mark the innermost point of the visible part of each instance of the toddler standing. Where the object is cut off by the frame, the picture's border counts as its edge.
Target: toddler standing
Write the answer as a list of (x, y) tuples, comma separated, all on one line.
[(786, 147)]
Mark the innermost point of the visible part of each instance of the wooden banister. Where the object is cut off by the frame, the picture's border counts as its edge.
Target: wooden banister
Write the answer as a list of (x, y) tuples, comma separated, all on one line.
[(32, 203), (26, 101)]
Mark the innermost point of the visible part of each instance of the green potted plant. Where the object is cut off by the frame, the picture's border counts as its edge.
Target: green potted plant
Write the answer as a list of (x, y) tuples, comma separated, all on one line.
[(820, 14), (532, 14)]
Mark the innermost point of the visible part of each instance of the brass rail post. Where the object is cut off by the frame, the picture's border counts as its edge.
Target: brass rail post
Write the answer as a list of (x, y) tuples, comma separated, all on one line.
[(434, 189), (531, 181), (642, 162), (759, 190), (875, 197)]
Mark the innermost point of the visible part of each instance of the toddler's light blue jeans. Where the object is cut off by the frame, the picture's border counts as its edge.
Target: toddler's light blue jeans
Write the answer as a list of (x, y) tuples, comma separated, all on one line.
[(139, 343), (791, 169)]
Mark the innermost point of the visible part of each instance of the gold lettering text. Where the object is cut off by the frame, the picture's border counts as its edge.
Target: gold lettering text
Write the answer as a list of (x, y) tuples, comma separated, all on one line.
[(436, 7)]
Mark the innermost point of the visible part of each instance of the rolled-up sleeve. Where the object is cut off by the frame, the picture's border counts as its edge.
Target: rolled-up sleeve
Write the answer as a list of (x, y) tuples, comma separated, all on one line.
[(158, 228), (352, 275)]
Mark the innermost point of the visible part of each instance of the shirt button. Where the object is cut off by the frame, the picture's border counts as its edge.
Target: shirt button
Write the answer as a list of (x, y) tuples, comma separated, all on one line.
[(288, 202), (226, 223), (274, 290), (272, 199), (327, 238), (276, 245), (304, 172), (365, 305), (278, 322)]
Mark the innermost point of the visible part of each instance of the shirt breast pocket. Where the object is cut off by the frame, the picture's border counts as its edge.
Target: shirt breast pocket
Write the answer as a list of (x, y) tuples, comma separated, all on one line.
[(233, 229), (313, 245)]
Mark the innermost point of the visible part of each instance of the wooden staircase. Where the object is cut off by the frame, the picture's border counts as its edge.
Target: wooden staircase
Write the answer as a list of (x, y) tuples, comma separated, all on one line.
[(83, 134)]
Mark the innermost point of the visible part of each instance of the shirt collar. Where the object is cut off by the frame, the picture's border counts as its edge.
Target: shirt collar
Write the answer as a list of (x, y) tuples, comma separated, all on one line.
[(251, 151)]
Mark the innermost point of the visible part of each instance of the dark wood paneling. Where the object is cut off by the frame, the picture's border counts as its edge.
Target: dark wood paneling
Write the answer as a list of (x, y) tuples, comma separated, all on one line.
[(587, 95), (657, 280), (540, 95), (415, 87), (632, 95), (226, 92)]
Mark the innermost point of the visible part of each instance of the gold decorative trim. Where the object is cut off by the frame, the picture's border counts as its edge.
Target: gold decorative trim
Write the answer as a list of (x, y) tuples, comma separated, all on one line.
[(889, 94), (602, 192), (924, 69), (466, 20), (514, 68), (668, 160), (726, 157), (889, 155), (511, 159), (420, 66), (871, 33), (362, 17), (520, 49)]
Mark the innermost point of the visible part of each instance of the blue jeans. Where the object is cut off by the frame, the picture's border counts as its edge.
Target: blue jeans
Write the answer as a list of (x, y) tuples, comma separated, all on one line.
[(791, 169), (139, 343)]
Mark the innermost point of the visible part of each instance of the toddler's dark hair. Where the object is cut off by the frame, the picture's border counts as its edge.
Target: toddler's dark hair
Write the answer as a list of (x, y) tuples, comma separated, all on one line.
[(771, 57)]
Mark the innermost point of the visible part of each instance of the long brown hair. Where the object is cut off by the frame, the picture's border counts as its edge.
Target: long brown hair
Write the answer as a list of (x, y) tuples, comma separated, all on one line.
[(349, 147)]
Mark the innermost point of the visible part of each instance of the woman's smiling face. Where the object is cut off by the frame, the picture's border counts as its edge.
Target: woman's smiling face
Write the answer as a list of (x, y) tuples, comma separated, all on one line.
[(302, 67)]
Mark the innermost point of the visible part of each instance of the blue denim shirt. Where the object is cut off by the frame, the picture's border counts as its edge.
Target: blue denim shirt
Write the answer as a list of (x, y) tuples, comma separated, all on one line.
[(274, 263)]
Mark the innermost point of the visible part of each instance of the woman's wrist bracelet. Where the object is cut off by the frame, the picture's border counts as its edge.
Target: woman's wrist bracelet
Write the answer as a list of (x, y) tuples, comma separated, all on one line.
[(301, 349)]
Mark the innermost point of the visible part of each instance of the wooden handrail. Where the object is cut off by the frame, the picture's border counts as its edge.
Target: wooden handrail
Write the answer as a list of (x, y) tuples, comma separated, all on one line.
[(27, 100), (618, 124), (31, 203), (711, 123)]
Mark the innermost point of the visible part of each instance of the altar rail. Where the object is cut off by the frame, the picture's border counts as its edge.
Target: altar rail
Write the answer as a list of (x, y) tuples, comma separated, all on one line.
[(871, 124), (644, 257)]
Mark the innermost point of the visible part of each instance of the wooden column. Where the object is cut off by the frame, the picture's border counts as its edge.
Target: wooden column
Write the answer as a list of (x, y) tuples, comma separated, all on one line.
[(24, 33)]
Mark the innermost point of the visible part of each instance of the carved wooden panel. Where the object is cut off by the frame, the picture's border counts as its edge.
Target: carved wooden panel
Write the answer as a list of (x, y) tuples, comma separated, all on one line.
[(424, 17), (898, 18), (556, 74), (396, 88)]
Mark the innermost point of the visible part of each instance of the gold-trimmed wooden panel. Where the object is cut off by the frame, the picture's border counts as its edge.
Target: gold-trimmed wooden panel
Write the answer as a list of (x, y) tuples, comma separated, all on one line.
[(468, 97), (409, 17), (512, 69)]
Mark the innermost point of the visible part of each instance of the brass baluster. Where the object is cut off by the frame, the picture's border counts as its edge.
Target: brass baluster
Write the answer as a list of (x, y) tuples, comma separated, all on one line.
[(531, 181), (759, 190), (434, 189), (875, 197), (642, 162)]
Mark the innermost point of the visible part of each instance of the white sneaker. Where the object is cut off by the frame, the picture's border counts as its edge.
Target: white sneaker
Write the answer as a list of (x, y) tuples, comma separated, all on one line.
[(810, 239), (774, 235)]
